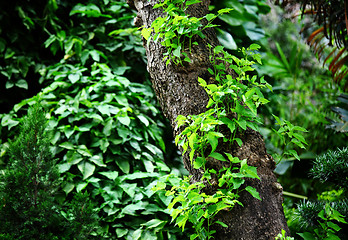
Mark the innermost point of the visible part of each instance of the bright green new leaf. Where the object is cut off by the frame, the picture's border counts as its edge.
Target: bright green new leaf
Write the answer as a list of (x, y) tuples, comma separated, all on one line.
[(222, 224), (253, 192), (213, 140), (217, 156), (146, 33)]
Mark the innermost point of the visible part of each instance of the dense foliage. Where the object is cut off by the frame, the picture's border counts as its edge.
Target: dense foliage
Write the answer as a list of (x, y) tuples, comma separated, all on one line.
[(29, 185), (107, 130)]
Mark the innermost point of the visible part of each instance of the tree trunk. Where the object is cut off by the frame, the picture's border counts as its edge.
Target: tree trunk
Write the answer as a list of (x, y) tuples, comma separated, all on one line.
[(179, 93)]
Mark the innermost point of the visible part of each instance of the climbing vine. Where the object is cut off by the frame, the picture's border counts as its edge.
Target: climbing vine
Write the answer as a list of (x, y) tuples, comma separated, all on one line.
[(234, 96)]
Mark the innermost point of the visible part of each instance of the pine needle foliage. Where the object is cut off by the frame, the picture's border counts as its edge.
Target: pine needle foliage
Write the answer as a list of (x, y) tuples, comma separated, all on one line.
[(29, 183), (332, 167)]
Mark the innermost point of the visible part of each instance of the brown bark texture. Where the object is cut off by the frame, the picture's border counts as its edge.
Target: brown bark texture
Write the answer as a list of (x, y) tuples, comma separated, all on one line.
[(179, 93)]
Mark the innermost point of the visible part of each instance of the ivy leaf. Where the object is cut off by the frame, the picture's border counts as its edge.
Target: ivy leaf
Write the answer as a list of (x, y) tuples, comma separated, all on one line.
[(213, 140), (68, 187), (123, 164), (242, 123), (81, 186), (292, 153), (199, 162), (125, 120), (98, 160), (74, 77), (217, 156), (190, 2), (307, 236), (86, 168), (22, 84), (121, 232), (143, 119), (177, 51), (239, 141), (222, 224), (67, 145), (104, 109), (64, 167), (253, 192), (153, 223), (210, 16), (137, 234)]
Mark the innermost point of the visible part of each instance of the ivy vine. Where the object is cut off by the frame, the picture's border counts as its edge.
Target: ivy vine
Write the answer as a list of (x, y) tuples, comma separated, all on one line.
[(234, 97)]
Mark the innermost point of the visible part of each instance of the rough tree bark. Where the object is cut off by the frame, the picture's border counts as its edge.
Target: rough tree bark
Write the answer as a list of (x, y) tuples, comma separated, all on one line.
[(178, 93)]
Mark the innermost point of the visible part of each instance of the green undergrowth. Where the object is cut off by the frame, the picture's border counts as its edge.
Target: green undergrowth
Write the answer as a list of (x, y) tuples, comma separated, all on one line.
[(107, 131)]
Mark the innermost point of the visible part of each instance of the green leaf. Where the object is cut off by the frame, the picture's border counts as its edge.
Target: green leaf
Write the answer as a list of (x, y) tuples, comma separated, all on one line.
[(199, 162), (123, 164), (307, 236), (239, 141), (8, 121), (226, 39), (84, 151), (104, 109), (242, 123), (230, 124), (253, 192), (146, 32), (122, 100), (283, 57), (153, 223), (98, 160), (81, 186), (74, 77), (213, 140), (177, 51), (224, 10), (22, 84), (222, 224), (194, 236), (333, 226), (143, 119), (64, 167), (293, 153), (300, 137), (86, 168), (190, 2), (67, 145), (108, 127), (137, 234), (210, 16), (125, 120), (131, 210), (217, 156), (68, 187), (120, 232)]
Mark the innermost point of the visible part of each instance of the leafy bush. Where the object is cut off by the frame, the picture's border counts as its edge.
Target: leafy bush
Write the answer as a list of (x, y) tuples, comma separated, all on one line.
[(107, 130)]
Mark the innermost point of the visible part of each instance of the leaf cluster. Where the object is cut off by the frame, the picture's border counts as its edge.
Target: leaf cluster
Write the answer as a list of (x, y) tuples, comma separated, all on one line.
[(176, 29), (240, 95)]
